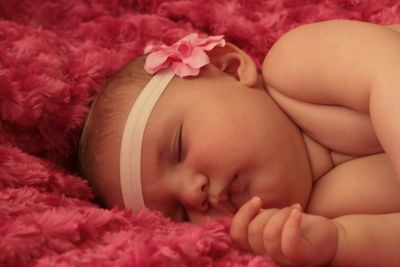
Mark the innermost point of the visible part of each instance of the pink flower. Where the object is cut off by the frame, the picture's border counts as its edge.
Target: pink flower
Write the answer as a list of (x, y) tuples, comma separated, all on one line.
[(185, 57)]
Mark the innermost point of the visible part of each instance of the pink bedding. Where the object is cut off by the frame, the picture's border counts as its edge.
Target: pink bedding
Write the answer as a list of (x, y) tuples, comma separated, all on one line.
[(54, 58)]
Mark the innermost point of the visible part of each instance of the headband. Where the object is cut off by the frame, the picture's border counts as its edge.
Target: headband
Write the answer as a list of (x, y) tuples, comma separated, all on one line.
[(183, 58)]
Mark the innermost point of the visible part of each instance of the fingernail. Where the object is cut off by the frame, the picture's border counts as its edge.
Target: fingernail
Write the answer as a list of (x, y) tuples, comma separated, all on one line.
[(295, 213), (256, 200), (297, 206)]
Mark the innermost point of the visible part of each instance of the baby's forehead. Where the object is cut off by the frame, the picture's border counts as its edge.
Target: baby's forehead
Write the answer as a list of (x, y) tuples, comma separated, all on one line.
[(125, 86)]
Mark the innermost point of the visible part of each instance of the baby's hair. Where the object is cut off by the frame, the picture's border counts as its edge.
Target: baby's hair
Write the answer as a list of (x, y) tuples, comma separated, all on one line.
[(101, 128)]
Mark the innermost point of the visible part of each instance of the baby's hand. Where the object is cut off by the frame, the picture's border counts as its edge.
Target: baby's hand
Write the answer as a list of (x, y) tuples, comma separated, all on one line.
[(288, 236)]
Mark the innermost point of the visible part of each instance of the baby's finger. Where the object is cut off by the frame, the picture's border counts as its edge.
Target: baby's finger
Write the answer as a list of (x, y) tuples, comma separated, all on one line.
[(256, 229), (292, 239), (272, 235), (241, 221)]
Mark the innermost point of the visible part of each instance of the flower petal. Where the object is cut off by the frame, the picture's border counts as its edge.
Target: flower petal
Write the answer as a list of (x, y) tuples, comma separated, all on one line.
[(165, 65), (184, 49), (206, 40), (156, 61), (183, 70), (197, 59), (186, 56), (150, 48), (189, 37), (213, 41)]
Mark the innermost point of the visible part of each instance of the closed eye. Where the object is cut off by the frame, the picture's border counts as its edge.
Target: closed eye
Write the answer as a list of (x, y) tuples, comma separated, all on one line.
[(179, 150)]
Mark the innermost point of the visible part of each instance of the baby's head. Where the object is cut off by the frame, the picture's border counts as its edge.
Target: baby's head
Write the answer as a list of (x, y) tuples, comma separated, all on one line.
[(207, 144)]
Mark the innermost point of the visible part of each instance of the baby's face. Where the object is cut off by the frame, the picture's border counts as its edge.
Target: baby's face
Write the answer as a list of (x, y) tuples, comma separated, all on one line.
[(212, 143)]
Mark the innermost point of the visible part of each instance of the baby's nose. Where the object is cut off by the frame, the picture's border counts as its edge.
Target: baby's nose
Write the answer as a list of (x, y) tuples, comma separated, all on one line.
[(196, 192)]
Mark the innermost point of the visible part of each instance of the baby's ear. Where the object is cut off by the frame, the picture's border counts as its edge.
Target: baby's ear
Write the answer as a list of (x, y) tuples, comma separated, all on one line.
[(234, 61)]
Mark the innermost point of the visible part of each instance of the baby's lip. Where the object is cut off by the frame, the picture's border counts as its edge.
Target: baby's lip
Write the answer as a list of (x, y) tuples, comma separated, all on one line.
[(223, 201)]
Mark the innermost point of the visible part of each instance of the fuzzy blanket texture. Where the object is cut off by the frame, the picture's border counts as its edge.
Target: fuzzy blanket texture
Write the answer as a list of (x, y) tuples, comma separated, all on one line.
[(54, 57)]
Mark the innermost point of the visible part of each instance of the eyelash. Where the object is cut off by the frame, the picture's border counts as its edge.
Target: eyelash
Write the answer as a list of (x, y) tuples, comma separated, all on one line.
[(185, 216), (179, 150)]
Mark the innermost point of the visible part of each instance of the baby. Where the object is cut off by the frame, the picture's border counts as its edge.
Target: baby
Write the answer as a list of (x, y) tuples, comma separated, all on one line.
[(305, 155)]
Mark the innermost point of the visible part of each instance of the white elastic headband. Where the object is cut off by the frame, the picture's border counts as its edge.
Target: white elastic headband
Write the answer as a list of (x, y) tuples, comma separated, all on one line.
[(132, 139)]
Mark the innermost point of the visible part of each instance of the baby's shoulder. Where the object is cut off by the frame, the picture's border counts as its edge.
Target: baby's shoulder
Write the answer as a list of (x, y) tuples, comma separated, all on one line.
[(334, 62)]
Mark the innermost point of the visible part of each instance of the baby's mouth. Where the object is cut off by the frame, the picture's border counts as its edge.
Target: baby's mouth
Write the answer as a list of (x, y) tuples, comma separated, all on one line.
[(233, 190), (223, 200)]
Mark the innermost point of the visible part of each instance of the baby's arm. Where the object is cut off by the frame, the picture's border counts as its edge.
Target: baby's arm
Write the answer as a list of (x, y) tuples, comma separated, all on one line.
[(346, 64), (291, 237), (368, 240)]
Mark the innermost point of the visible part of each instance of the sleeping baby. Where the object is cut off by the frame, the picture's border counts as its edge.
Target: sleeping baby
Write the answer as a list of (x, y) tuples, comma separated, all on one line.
[(305, 155)]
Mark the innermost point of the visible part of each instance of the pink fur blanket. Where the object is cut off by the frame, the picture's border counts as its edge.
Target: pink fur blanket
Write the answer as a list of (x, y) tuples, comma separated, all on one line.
[(54, 57)]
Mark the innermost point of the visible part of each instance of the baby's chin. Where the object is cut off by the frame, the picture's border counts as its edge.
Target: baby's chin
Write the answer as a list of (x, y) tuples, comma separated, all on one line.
[(268, 203), (278, 197)]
